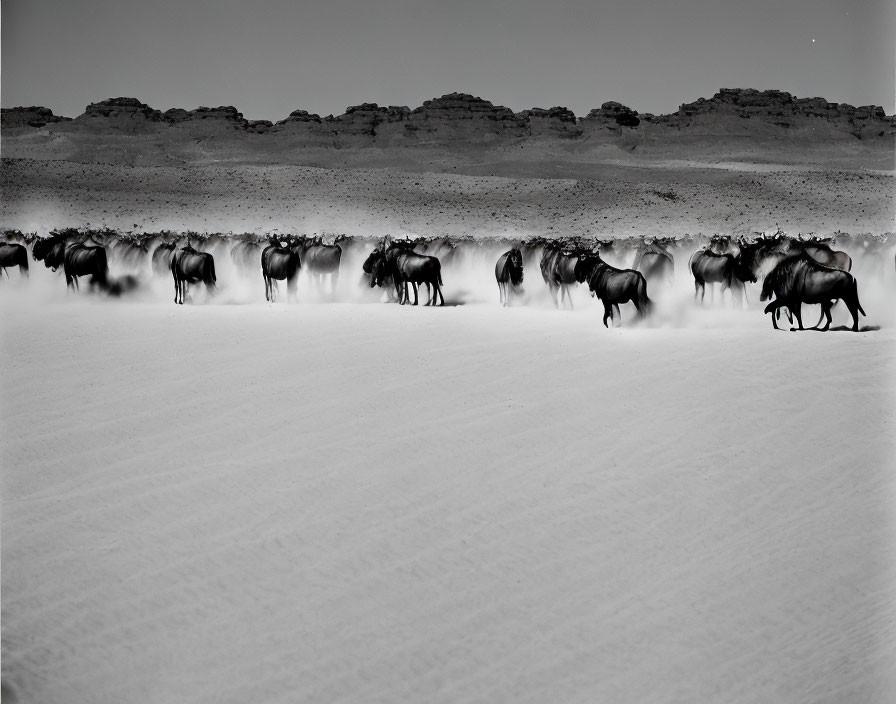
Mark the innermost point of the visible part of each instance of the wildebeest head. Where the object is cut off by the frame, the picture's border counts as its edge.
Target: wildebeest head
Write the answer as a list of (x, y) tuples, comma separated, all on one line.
[(367, 266), (744, 267), (585, 265), (50, 250), (379, 272)]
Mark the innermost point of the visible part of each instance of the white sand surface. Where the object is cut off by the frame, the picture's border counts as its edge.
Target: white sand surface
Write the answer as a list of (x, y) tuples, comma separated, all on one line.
[(232, 501)]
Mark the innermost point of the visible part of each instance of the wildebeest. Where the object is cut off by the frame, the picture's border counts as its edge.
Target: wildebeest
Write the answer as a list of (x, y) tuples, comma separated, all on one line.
[(84, 260), (161, 258), (613, 286), (76, 259), (822, 253), (189, 266), (558, 271), (279, 263), (655, 262), (320, 260), (509, 274), (50, 250), (763, 254), (129, 250), (404, 266), (246, 256), (727, 269), (13, 254), (801, 279)]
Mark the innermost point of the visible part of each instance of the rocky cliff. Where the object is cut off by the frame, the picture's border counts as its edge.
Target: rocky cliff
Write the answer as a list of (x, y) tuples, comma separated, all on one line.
[(456, 122)]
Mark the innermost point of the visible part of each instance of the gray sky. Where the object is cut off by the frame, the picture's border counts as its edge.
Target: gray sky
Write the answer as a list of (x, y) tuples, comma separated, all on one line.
[(270, 57)]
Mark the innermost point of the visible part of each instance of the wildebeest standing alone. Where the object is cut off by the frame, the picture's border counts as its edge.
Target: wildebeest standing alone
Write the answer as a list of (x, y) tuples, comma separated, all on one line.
[(190, 267), (613, 286), (801, 279), (279, 263), (13, 254), (509, 274)]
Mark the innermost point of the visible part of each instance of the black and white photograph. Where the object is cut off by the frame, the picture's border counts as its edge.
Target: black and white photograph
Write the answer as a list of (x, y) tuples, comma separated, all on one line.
[(427, 352)]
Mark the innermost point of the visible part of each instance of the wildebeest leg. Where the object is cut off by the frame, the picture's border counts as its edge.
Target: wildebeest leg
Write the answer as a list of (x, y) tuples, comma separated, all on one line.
[(553, 289), (797, 310), (291, 290), (774, 307), (334, 280), (414, 284), (608, 313), (501, 294), (699, 290), (826, 312), (616, 313), (738, 294)]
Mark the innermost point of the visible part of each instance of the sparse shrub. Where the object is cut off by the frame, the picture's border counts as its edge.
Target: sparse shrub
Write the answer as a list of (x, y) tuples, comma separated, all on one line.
[(667, 195)]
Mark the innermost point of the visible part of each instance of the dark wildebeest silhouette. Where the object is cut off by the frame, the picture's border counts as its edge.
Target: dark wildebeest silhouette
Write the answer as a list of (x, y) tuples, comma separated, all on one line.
[(613, 286), (655, 262), (320, 260), (558, 271), (189, 266), (279, 263), (86, 260), (374, 268), (50, 250), (801, 279), (405, 266), (13, 254), (509, 274), (161, 258), (726, 269), (76, 259)]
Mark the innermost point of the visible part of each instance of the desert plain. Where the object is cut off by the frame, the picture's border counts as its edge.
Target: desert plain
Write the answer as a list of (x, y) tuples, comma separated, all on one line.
[(345, 500)]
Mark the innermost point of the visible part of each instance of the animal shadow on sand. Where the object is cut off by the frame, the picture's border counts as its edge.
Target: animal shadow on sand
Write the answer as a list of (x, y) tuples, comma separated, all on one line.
[(840, 328)]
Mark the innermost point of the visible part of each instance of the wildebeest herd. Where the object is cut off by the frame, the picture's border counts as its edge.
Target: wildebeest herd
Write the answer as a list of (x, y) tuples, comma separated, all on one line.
[(794, 271)]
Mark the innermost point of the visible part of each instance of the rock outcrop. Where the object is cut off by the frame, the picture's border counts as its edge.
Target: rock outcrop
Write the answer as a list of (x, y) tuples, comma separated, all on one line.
[(120, 109), (781, 109), (459, 115), (453, 123), (613, 115), (554, 122), (13, 118)]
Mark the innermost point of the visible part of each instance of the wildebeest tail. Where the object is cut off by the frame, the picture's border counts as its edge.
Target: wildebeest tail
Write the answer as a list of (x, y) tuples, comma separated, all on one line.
[(855, 292), (644, 303), (767, 286), (102, 266)]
